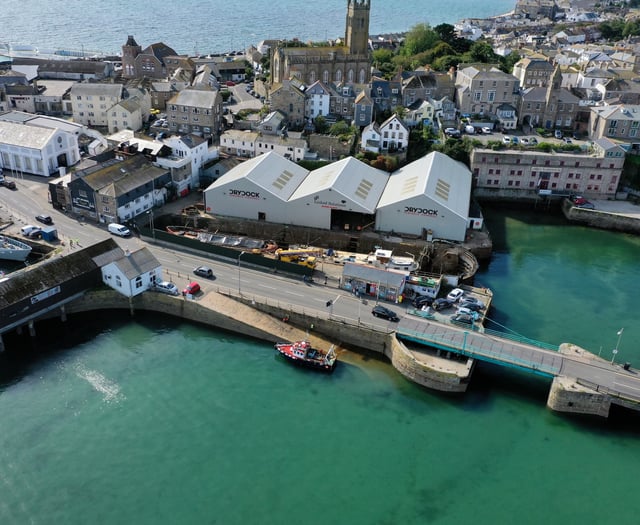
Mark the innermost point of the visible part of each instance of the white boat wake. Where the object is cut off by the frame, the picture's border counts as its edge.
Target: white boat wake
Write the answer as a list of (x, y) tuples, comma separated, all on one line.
[(109, 389)]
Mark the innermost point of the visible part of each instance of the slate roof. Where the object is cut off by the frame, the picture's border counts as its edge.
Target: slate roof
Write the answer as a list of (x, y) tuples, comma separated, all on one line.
[(136, 263), (195, 98)]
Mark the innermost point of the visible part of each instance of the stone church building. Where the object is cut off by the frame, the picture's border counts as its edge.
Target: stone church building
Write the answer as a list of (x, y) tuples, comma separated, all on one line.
[(347, 63)]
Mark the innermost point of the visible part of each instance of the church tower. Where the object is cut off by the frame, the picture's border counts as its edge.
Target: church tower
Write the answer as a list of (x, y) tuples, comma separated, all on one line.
[(357, 30), (129, 53)]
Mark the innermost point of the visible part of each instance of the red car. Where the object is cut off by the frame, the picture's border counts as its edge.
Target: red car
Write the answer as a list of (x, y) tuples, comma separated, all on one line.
[(191, 289)]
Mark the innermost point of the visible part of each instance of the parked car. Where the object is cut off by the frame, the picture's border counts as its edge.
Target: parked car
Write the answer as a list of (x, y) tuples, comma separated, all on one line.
[(44, 219), (567, 140), (506, 139), (422, 300), (586, 205), (576, 135), (514, 140), (30, 230), (9, 184), (166, 287), (455, 295), (472, 303), (385, 313), (441, 304), (467, 311), (533, 141), (524, 141), (486, 130), (474, 307), (469, 129), (203, 271), (191, 289), (578, 199), (462, 318), (557, 134), (452, 132)]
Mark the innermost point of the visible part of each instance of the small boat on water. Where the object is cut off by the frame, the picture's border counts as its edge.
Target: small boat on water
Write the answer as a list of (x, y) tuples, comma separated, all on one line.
[(13, 249), (302, 353)]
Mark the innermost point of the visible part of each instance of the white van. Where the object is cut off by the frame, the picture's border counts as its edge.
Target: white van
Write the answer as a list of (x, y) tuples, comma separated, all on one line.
[(119, 230)]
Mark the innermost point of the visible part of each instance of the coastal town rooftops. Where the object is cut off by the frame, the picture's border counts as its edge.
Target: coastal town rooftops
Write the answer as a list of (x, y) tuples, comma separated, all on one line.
[(435, 175), (270, 171), (350, 178)]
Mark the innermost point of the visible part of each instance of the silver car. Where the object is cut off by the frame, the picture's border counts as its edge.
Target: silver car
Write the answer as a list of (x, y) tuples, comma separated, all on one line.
[(166, 287)]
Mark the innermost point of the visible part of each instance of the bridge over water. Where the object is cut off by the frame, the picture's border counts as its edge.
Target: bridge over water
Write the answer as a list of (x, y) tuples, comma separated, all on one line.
[(619, 385)]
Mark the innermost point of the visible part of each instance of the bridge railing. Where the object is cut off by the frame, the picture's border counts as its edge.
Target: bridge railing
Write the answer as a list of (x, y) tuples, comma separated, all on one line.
[(460, 342), (521, 339)]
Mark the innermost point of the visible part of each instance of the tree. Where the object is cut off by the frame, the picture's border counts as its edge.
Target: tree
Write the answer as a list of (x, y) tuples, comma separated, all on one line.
[(419, 38), (507, 63), (339, 128), (321, 124), (481, 51), (381, 57)]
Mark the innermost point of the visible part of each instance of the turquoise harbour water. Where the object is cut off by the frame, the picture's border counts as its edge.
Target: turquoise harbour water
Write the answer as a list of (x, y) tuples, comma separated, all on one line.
[(153, 421)]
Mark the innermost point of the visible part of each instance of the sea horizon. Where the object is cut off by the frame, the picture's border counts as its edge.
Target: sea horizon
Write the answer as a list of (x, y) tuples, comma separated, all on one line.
[(38, 24)]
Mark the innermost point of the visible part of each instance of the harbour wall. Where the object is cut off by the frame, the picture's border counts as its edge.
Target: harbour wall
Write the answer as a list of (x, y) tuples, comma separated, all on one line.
[(266, 322), (601, 219), (274, 322)]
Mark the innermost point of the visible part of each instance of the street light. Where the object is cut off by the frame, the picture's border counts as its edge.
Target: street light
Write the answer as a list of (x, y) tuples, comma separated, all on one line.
[(151, 225), (241, 254), (615, 350)]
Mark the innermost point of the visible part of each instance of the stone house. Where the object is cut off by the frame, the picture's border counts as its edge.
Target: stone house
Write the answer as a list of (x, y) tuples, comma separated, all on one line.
[(150, 62), (197, 111), (533, 72), (481, 88), (386, 94), (289, 99)]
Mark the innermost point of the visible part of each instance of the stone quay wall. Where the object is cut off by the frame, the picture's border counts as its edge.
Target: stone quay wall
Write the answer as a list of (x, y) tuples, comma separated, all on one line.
[(273, 323), (601, 219)]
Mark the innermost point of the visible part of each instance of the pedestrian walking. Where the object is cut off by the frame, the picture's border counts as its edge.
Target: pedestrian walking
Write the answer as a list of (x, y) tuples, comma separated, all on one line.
[(70, 243), (325, 280)]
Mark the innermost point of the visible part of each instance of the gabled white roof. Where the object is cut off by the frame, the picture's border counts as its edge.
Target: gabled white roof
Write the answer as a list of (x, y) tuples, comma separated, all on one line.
[(273, 173), (25, 136), (435, 175), (350, 178)]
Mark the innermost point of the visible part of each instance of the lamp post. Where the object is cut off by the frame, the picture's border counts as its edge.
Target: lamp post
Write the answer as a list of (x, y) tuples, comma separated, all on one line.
[(241, 254), (615, 350), (151, 225)]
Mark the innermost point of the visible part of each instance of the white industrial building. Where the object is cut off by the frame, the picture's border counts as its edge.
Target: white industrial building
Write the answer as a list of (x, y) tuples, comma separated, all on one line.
[(26, 148), (341, 195), (429, 195), (257, 189)]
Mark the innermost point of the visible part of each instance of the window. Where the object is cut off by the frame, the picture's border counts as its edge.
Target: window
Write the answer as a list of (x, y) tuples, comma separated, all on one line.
[(477, 96)]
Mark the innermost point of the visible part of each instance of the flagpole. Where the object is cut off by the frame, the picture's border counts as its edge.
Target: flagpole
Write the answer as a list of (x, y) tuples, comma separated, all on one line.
[(615, 351)]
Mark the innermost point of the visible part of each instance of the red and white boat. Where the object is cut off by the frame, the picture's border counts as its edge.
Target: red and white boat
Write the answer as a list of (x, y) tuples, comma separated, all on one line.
[(302, 353)]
